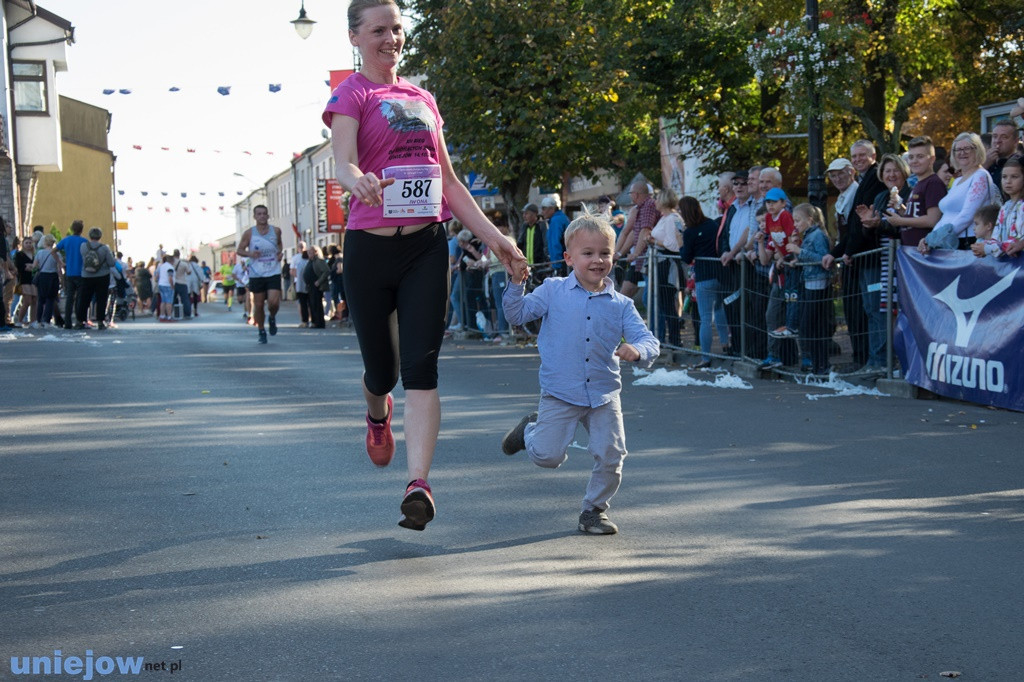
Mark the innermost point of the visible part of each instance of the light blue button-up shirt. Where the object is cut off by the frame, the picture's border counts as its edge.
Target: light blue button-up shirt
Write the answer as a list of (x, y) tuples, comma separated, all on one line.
[(578, 337)]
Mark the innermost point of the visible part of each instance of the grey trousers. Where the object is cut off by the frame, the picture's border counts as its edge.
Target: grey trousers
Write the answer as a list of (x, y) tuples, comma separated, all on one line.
[(549, 437)]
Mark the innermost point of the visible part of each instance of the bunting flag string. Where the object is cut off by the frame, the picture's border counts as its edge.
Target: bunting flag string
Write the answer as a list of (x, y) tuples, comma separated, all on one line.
[(223, 90), (173, 209), (194, 150), (184, 195)]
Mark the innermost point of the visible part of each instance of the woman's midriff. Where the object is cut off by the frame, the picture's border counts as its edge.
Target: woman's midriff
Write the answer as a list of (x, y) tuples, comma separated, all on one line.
[(392, 231)]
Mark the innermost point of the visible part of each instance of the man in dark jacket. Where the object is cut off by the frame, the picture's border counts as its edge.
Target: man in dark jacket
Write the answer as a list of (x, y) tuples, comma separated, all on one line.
[(533, 236), (864, 325)]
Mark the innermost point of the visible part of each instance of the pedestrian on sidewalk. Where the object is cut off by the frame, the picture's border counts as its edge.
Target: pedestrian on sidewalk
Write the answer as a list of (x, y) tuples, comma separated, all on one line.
[(395, 253), (71, 245), (580, 344), (97, 260), (165, 287), (47, 267), (317, 277)]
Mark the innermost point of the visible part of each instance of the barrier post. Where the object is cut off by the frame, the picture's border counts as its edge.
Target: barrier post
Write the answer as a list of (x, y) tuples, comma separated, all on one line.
[(743, 307), (890, 308), (652, 314)]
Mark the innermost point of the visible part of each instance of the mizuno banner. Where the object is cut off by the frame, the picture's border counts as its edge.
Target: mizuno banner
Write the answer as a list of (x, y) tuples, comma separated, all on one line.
[(960, 331)]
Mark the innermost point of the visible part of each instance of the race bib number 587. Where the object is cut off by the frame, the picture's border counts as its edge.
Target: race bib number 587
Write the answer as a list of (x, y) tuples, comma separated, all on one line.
[(416, 192)]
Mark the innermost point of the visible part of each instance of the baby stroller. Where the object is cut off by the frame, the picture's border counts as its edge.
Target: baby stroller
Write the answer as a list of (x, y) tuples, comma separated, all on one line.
[(124, 301)]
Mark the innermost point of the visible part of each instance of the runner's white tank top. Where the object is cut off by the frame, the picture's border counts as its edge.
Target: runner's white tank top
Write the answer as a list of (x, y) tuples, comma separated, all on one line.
[(269, 262)]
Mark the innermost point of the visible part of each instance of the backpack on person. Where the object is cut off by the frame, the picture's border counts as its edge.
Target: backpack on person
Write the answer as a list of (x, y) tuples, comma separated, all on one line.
[(91, 260)]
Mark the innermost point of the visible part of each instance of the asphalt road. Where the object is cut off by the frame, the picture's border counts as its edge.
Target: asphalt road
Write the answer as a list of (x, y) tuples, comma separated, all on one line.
[(182, 494)]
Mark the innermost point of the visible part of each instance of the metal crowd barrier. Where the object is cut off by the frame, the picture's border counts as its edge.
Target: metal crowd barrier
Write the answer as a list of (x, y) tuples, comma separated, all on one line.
[(856, 313)]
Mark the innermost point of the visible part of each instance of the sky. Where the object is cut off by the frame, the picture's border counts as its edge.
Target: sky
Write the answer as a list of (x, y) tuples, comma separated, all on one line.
[(148, 47)]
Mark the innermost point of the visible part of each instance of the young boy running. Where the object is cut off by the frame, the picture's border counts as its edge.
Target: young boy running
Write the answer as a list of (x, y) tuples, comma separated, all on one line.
[(581, 344)]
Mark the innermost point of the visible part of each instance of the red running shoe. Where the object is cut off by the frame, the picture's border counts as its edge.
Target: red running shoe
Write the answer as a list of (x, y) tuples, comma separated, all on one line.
[(417, 506), (380, 443)]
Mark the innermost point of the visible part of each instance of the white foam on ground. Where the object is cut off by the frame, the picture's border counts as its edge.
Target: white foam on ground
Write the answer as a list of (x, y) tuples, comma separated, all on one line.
[(841, 388), (69, 339), (681, 377)]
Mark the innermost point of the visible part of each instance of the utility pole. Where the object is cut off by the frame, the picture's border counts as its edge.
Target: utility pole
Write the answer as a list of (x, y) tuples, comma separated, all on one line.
[(817, 195)]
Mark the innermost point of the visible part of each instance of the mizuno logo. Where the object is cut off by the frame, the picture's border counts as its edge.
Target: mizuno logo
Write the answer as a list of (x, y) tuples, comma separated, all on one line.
[(962, 307)]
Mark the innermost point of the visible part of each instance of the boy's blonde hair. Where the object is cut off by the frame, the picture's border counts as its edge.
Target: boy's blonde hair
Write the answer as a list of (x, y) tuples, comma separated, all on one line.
[(589, 222)]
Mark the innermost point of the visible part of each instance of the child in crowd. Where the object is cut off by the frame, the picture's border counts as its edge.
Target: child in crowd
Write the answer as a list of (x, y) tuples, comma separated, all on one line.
[(781, 317), (581, 344), (1007, 236), (985, 219), (815, 338)]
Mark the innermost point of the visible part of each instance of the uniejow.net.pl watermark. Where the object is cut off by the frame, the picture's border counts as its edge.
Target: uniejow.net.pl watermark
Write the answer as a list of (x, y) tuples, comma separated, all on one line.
[(88, 666)]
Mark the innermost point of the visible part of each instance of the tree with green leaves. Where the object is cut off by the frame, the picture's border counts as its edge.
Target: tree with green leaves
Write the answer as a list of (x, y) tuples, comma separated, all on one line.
[(535, 93)]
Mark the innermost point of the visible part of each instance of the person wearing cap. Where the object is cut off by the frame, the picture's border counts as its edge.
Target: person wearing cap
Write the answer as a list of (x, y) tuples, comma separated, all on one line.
[(844, 178), (533, 236), (733, 234), (557, 222), (783, 310)]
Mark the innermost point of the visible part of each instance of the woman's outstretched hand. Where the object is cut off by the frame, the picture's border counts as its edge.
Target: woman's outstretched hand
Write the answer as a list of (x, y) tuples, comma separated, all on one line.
[(369, 189)]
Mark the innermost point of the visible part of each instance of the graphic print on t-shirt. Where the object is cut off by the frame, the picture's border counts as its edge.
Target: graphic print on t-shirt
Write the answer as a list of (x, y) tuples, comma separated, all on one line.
[(408, 116)]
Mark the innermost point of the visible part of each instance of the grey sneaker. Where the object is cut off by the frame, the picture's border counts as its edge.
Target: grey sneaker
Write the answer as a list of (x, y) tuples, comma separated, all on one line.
[(595, 521), (515, 440)]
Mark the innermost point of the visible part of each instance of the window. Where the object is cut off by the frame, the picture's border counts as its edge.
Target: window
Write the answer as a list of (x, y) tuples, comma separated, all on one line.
[(30, 87)]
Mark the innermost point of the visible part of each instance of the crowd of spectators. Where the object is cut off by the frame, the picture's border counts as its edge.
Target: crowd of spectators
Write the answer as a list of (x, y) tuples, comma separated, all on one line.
[(795, 259)]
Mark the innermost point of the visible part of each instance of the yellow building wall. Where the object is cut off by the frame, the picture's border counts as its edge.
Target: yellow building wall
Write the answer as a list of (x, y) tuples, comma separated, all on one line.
[(82, 191)]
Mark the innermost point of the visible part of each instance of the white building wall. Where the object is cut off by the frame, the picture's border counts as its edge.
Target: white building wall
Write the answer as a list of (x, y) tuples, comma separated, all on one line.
[(38, 136)]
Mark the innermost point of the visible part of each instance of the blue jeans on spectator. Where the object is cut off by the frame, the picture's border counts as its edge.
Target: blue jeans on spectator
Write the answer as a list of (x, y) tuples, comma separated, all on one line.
[(181, 294), (711, 306), (497, 282), (872, 275), (455, 312), (791, 293)]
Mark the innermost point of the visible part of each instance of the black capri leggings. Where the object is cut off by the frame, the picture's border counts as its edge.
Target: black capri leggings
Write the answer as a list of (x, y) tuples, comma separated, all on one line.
[(396, 289)]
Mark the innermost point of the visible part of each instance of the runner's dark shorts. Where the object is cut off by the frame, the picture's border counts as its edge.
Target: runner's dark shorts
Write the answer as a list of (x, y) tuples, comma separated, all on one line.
[(228, 288), (634, 275), (396, 289), (261, 285)]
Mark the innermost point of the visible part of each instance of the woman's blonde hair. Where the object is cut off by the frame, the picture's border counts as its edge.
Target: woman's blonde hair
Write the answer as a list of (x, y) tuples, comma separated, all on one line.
[(667, 199), (979, 149)]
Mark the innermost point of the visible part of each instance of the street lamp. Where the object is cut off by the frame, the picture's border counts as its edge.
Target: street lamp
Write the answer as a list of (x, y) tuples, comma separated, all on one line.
[(303, 25), (817, 194)]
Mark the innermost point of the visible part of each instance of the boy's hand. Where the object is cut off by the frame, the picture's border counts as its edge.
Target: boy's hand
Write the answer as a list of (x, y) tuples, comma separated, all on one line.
[(627, 352), (978, 248)]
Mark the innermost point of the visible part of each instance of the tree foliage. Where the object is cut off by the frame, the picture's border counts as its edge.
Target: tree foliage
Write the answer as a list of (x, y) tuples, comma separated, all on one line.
[(537, 92)]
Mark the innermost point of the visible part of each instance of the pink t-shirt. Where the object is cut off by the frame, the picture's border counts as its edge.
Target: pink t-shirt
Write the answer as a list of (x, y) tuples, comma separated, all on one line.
[(398, 126)]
